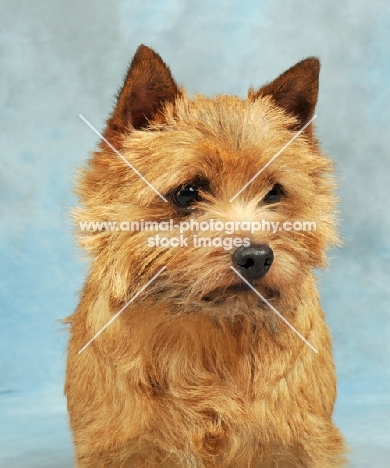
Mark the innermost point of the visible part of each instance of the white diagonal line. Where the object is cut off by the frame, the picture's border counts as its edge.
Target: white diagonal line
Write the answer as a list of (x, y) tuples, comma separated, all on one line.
[(276, 311), (123, 308), (273, 158), (123, 158)]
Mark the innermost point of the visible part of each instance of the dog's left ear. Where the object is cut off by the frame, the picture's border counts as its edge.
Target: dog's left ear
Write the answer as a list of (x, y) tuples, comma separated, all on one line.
[(295, 90), (147, 86)]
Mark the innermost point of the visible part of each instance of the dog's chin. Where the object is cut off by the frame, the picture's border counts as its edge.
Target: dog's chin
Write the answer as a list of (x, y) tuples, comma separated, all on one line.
[(238, 301)]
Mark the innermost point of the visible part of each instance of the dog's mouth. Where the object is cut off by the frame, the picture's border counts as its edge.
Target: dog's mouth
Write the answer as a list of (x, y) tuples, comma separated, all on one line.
[(220, 294), (224, 292)]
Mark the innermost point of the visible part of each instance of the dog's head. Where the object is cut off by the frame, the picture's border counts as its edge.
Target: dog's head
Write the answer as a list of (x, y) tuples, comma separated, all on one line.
[(239, 178)]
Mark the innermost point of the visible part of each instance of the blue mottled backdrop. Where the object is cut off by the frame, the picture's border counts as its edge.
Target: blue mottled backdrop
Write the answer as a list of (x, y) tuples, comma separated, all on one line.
[(62, 58)]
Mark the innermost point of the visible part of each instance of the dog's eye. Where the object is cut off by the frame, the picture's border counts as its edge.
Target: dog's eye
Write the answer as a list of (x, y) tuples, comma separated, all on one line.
[(186, 195), (274, 195)]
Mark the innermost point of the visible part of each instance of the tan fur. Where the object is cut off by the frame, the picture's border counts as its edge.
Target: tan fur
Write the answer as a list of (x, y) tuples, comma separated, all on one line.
[(177, 381)]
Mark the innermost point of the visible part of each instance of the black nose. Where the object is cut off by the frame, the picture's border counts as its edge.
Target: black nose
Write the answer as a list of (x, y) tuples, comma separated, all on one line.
[(253, 261)]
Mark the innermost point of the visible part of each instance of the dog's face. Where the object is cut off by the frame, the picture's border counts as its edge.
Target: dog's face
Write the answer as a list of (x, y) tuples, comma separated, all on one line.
[(199, 154)]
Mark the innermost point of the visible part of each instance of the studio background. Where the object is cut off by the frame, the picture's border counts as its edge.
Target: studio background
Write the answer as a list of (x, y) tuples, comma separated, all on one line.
[(63, 58)]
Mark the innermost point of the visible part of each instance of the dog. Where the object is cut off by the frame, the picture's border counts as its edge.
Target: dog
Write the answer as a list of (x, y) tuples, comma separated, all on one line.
[(215, 353)]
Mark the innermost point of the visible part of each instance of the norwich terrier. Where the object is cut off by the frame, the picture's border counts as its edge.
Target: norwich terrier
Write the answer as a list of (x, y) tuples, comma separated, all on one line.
[(196, 348)]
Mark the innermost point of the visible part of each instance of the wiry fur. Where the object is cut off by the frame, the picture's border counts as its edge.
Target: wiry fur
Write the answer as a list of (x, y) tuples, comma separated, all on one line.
[(177, 380)]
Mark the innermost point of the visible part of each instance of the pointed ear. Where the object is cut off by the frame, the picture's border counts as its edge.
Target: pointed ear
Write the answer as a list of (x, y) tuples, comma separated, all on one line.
[(148, 84), (295, 90)]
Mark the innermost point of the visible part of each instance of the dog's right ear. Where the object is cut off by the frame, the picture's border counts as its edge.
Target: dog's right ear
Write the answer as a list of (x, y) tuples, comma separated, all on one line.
[(147, 86)]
